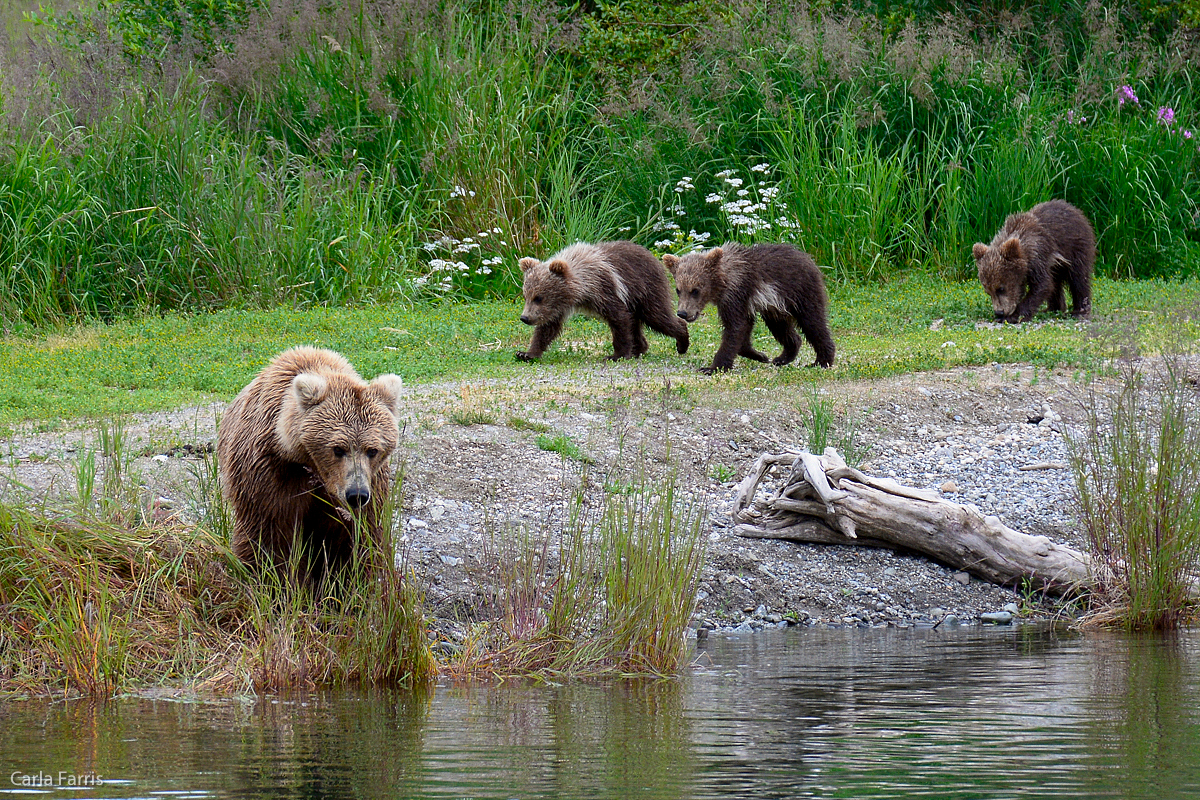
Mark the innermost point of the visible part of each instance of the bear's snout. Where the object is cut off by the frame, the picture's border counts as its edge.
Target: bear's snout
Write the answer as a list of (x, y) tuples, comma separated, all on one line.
[(525, 318), (358, 496)]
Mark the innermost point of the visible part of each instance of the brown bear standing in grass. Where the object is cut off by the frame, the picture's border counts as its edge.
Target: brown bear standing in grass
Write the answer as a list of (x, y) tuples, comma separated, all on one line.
[(621, 283), (775, 280), (1030, 258), (302, 451)]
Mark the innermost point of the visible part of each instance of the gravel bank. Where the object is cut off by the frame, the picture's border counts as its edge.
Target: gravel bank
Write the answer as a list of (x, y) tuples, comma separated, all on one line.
[(475, 473)]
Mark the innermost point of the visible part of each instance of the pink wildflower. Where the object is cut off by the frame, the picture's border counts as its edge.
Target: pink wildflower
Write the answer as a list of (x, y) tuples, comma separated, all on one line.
[(1126, 93), (1166, 116)]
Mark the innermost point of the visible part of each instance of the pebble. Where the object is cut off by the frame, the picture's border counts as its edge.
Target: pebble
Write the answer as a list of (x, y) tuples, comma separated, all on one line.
[(962, 577), (996, 617)]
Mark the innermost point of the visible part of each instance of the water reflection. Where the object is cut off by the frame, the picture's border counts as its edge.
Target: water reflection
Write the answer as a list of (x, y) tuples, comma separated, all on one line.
[(964, 713)]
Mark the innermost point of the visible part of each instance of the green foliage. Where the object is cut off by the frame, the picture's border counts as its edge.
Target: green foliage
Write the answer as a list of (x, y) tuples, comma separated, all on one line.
[(149, 27), (348, 154), (562, 444)]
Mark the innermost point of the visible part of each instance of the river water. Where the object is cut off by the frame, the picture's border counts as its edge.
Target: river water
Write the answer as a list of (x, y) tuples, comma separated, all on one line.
[(957, 713)]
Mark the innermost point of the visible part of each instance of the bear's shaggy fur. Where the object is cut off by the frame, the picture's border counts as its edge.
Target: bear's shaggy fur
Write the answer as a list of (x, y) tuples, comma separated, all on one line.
[(775, 280), (621, 283), (301, 451), (1032, 256)]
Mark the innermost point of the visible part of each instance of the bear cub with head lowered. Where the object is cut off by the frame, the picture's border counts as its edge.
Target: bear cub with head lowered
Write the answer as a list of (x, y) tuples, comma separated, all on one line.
[(1031, 258), (303, 457), (775, 280), (621, 283)]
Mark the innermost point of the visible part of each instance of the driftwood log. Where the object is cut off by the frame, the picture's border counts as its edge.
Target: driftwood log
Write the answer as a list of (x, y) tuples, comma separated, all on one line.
[(820, 499)]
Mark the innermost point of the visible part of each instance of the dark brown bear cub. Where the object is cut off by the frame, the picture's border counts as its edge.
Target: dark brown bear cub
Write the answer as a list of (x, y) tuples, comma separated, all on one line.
[(621, 283), (775, 280), (1032, 256), (303, 456)]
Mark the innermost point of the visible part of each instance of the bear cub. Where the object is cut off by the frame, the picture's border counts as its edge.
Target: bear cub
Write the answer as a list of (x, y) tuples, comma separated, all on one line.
[(778, 281), (302, 451), (1032, 256), (621, 283)]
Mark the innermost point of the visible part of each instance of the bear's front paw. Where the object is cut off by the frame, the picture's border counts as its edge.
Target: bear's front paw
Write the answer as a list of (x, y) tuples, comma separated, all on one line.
[(781, 361), (713, 369), (524, 356), (681, 346)]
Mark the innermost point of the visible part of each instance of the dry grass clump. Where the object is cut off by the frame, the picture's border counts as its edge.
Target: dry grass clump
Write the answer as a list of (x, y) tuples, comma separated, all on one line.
[(613, 595), (108, 595), (1137, 475)]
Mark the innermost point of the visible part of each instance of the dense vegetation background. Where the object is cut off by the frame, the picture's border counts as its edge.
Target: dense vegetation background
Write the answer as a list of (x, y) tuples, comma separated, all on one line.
[(193, 154)]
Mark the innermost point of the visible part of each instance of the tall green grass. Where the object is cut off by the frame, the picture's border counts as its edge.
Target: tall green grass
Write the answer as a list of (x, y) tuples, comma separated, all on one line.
[(367, 152), (1137, 477)]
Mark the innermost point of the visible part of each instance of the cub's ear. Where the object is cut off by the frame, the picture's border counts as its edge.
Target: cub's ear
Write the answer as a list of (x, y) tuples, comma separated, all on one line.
[(387, 388), (528, 264), (714, 255), (1011, 249), (309, 389), (979, 250), (559, 267), (671, 262)]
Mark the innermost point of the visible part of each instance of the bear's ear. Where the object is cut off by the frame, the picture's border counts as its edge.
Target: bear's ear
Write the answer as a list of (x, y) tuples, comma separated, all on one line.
[(387, 388), (1011, 249), (713, 257), (559, 267), (671, 262), (979, 250), (528, 263), (309, 389)]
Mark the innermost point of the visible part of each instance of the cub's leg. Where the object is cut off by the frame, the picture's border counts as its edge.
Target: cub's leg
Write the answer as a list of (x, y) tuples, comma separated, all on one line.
[(543, 335), (784, 330)]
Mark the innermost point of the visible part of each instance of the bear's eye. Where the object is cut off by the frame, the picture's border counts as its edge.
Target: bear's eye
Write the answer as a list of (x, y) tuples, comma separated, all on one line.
[(1000, 290), (339, 452), (372, 452), (537, 299), (695, 292), (677, 290)]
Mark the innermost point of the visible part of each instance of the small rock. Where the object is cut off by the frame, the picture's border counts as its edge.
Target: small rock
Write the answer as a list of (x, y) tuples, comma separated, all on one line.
[(949, 487), (761, 611), (950, 619), (450, 561), (436, 513), (937, 612), (962, 577), (996, 617), (1012, 608), (417, 523), (890, 571)]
